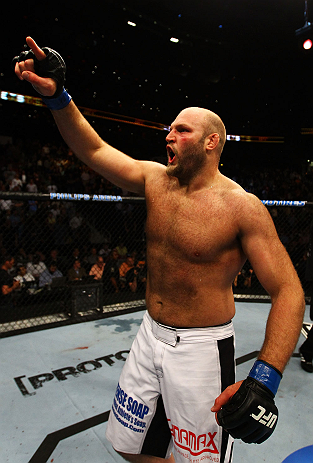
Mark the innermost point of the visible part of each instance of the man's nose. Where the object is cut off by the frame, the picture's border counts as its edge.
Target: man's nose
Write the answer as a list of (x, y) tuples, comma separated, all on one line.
[(170, 136)]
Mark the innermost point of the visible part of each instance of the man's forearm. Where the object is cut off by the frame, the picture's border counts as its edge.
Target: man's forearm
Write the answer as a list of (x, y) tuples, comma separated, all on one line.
[(283, 329), (78, 134)]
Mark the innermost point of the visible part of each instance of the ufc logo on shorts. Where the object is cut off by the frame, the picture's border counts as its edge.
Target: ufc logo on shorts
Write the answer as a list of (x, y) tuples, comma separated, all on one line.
[(268, 420)]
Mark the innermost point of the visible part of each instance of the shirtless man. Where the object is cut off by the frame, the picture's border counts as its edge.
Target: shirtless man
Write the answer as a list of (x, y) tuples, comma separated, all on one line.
[(201, 227)]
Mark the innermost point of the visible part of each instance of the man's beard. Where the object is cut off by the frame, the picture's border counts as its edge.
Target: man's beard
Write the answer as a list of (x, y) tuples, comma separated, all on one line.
[(189, 165)]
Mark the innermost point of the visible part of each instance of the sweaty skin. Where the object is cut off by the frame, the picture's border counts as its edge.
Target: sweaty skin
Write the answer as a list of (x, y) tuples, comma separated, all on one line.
[(201, 226), (193, 252)]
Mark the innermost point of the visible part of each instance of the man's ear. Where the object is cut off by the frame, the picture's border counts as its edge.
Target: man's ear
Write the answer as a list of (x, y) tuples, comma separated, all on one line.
[(212, 141)]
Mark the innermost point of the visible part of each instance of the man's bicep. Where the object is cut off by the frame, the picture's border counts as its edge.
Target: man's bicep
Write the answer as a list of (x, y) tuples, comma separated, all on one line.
[(266, 253), (118, 168), (122, 170)]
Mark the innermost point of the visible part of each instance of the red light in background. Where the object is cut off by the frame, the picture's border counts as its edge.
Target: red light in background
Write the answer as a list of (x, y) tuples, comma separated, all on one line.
[(307, 44)]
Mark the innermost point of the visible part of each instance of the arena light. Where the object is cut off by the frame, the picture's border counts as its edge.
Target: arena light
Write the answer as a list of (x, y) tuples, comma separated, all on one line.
[(307, 44), (12, 97), (233, 137), (305, 34), (131, 23), (305, 37), (94, 113), (174, 40)]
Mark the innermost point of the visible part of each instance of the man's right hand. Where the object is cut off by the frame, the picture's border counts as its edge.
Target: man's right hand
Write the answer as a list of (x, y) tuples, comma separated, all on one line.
[(24, 70)]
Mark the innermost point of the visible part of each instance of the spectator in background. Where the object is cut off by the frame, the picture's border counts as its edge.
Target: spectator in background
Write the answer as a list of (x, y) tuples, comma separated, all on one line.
[(23, 276), (244, 277), (111, 275), (76, 273), (75, 254), (136, 277), (32, 207), (16, 183), (93, 256), (55, 257), (75, 226), (84, 256), (105, 251), (9, 173), (24, 179), (31, 187), (5, 204), (15, 217), (7, 283), (140, 271), (51, 221), (21, 257), (132, 280), (124, 268), (47, 276), (306, 349), (51, 187), (97, 269), (76, 221), (35, 265), (122, 250)]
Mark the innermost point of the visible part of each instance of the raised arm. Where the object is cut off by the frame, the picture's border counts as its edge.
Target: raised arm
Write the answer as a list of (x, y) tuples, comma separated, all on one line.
[(114, 165)]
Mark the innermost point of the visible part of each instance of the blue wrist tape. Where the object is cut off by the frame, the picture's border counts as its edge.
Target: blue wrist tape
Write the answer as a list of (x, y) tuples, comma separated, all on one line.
[(59, 102), (266, 374)]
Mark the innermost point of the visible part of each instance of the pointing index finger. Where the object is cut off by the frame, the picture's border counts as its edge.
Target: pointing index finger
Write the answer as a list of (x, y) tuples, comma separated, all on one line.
[(40, 55)]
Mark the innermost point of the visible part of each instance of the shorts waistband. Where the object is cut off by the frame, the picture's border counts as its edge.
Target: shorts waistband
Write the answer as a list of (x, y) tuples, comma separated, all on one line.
[(172, 336)]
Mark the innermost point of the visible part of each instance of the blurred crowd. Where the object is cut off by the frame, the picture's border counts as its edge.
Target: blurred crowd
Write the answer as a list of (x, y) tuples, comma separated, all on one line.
[(118, 270), (283, 183), (32, 228), (32, 166)]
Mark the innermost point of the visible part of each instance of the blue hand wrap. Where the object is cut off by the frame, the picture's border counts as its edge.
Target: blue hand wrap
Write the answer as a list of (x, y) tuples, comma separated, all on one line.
[(59, 102), (266, 374)]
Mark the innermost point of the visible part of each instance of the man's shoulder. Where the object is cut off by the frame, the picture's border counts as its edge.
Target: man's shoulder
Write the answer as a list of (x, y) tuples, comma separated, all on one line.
[(238, 195), (243, 206), (251, 214), (153, 168)]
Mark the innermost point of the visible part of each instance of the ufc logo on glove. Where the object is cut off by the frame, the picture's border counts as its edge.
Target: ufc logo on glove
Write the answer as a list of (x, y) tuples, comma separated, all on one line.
[(239, 417), (268, 421)]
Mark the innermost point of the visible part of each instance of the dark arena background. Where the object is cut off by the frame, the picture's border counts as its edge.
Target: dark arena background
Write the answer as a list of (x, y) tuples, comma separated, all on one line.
[(131, 67)]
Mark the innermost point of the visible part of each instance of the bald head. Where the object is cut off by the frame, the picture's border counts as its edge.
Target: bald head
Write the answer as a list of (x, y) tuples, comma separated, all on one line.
[(209, 121)]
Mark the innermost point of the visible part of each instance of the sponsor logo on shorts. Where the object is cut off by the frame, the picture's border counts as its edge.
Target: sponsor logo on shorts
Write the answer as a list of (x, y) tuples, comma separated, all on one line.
[(128, 411), (268, 420), (195, 445)]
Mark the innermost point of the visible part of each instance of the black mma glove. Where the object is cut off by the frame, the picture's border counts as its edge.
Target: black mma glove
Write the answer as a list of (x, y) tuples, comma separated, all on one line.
[(251, 414), (52, 66)]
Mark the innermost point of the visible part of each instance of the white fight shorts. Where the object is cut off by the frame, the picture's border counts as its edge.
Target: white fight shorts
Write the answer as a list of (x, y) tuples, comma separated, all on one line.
[(166, 390)]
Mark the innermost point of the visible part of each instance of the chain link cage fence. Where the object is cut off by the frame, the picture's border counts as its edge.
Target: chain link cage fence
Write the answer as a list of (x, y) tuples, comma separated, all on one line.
[(79, 257)]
